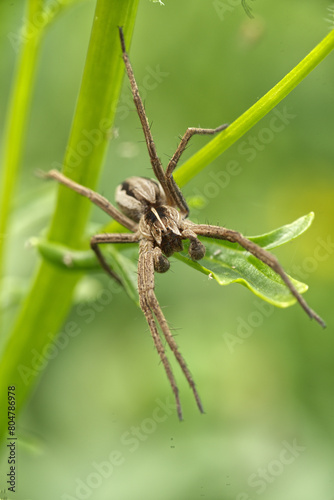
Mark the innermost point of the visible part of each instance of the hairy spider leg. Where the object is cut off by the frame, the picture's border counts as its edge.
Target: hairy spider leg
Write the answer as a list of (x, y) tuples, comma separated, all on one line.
[(171, 189), (221, 233), (94, 197), (107, 207), (155, 161), (150, 306), (99, 239), (176, 194)]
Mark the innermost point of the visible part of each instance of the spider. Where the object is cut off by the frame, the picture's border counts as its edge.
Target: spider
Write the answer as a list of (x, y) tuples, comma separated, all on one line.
[(156, 212)]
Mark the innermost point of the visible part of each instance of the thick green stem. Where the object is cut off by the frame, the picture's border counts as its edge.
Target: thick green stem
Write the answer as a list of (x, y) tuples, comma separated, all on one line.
[(26, 354)]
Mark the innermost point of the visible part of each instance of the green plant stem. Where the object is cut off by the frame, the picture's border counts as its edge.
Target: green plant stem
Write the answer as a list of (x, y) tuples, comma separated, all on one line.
[(49, 299), (16, 122), (248, 119)]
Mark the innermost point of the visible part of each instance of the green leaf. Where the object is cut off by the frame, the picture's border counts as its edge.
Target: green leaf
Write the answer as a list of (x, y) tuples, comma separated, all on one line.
[(227, 263), (285, 233), (126, 270)]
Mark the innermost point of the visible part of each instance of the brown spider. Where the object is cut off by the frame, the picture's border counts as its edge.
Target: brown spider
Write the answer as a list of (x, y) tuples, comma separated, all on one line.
[(156, 213)]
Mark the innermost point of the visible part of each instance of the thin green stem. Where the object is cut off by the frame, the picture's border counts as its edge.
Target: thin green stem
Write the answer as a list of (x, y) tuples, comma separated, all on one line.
[(16, 120), (248, 119)]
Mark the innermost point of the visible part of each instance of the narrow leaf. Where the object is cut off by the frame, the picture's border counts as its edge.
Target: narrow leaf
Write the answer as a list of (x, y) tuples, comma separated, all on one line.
[(228, 263)]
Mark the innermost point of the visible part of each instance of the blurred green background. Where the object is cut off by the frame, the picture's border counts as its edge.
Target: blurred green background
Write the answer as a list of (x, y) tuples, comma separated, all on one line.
[(265, 375)]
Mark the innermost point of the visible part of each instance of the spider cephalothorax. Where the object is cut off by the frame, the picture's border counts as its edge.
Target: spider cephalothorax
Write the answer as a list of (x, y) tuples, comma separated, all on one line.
[(144, 201), (156, 213)]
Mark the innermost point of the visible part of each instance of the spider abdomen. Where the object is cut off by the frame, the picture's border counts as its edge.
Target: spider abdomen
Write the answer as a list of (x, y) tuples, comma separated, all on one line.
[(135, 194)]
